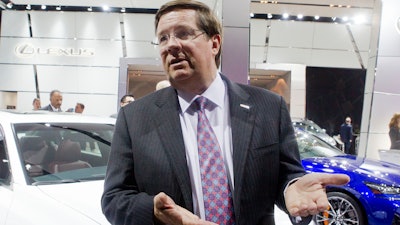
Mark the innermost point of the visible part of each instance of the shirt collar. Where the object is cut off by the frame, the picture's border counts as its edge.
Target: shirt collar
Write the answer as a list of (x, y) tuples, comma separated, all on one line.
[(213, 93)]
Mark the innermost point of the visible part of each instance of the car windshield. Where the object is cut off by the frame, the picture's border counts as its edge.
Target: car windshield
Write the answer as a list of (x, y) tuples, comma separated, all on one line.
[(312, 146), (63, 152)]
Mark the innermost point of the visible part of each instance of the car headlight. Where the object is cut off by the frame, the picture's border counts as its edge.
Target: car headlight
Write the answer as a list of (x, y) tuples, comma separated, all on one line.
[(383, 188)]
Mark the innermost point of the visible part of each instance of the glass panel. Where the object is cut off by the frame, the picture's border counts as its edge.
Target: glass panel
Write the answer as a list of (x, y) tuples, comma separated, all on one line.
[(64, 152)]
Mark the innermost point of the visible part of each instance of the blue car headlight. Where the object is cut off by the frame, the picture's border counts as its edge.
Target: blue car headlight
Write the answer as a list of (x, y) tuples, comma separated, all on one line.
[(378, 188)]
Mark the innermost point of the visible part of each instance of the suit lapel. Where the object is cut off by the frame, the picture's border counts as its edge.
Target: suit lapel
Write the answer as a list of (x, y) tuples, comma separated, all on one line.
[(242, 123), (173, 143)]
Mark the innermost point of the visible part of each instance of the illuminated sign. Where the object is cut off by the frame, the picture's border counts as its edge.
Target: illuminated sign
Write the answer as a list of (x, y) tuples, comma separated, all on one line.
[(28, 50)]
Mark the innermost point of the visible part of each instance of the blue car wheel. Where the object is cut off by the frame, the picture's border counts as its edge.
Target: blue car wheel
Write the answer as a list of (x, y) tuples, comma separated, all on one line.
[(343, 210)]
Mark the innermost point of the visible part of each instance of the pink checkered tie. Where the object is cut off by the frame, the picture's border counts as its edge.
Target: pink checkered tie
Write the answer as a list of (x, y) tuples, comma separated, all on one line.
[(216, 191)]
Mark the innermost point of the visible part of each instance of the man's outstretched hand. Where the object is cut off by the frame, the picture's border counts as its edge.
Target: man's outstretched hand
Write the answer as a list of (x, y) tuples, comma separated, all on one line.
[(307, 195), (169, 213)]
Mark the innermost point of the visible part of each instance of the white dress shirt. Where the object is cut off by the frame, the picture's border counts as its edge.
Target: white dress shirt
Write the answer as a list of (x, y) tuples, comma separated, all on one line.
[(218, 115)]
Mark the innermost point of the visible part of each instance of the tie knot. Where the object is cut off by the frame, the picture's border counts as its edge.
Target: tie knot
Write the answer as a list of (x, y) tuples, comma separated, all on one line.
[(200, 103)]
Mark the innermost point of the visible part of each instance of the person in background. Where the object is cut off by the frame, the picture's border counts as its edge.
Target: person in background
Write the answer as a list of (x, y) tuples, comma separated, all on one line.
[(36, 104), (126, 99), (79, 107), (162, 84), (394, 131), (346, 134), (56, 99), (206, 150)]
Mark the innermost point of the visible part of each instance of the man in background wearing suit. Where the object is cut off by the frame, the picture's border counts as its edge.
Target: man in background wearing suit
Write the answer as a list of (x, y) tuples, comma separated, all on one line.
[(55, 102), (155, 173)]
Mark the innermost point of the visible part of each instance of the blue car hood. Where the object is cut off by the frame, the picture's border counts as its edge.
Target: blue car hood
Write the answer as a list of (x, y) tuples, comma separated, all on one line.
[(356, 168)]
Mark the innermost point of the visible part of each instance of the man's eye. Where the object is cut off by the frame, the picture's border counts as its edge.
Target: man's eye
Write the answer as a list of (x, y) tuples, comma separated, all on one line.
[(162, 39), (182, 35)]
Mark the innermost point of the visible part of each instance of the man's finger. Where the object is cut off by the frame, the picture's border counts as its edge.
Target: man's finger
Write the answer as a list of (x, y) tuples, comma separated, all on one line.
[(333, 179)]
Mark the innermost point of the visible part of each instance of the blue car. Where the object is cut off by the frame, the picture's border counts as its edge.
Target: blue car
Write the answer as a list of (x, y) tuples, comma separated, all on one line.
[(371, 197)]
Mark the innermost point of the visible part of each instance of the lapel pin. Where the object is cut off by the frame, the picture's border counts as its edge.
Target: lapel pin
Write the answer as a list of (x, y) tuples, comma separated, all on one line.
[(244, 106)]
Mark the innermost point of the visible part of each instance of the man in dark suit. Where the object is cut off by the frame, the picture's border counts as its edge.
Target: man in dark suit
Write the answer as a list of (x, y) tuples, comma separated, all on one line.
[(346, 134), (56, 99), (154, 174)]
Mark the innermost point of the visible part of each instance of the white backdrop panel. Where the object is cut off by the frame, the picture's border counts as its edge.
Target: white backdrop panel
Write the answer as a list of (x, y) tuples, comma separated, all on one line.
[(14, 24), (85, 80), (291, 34), (332, 36), (141, 49), (334, 58), (258, 54), (98, 25), (362, 36), (289, 55), (17, 78), (389, 39), (53, 24), (139, 27), (387, 76), (258, 32)]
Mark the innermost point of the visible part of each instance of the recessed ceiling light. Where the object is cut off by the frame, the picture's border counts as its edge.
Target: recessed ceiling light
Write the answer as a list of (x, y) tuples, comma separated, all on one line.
[(300, 16), (316, 17), (285, 16), (89, 9), (106, 7), (58, 8), (123, 10), (43, 7)]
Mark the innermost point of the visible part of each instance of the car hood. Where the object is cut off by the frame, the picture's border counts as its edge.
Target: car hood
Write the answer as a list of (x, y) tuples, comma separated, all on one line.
[(355, 167), (83, 197)]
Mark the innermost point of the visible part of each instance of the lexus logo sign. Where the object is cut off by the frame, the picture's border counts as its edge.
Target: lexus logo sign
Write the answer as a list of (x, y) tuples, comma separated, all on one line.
[(28, 50)]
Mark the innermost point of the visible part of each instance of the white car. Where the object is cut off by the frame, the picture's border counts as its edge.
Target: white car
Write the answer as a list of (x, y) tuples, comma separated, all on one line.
[(52, 167)]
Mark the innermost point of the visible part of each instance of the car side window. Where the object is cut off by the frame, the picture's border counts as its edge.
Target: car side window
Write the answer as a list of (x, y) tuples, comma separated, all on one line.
[(4, 165)]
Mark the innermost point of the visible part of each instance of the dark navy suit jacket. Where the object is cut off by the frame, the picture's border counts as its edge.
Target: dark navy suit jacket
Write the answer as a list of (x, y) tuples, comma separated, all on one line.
[(148, 157)]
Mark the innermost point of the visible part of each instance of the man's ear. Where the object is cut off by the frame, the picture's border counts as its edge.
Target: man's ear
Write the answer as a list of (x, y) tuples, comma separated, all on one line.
[(216, 43)]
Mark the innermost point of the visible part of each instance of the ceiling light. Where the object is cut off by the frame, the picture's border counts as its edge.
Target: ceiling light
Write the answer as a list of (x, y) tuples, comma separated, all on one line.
[(123, 10), (89, 9), (106, 7), (58, 8), (285, 16), (269, 16), (316, 17), (300, 16), (345, 19), (333, 18), (43, 7), (360, 20), (28, 7), (9, 5)]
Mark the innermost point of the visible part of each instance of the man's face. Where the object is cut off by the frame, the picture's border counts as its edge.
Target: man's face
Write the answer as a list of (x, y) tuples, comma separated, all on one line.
[(348, 121), (56, 100), (78, 109), (36, 104), (191, 62)]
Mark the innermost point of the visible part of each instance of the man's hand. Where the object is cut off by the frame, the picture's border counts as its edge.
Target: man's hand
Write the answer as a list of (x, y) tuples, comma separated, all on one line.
[(307, 195), (169, 213)]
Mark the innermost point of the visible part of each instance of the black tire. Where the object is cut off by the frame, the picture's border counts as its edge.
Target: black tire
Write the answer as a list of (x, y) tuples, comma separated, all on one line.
[(344, 210)]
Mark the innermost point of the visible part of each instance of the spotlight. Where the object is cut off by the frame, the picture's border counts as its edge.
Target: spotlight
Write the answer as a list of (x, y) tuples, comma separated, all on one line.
[(269, 15), (300, 16), (58, 8), (9, 5), (89, 9), (285, 16), (106, 7), (252, 15), (43, 7), (28, 7), (316, 17), (123, 10)]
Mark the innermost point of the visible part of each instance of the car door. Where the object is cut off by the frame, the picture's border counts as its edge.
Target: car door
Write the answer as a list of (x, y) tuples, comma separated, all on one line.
[(6, 193)]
